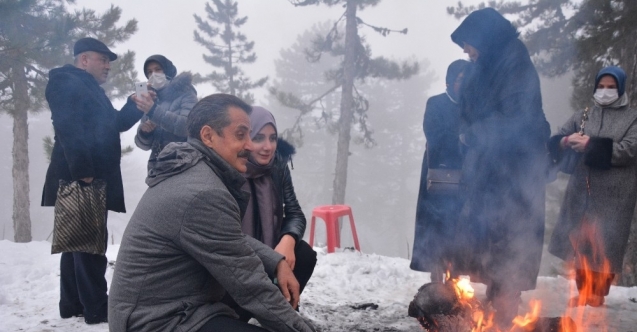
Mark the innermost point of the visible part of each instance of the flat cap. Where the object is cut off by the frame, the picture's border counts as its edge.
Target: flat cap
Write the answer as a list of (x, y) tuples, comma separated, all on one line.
[(92, 44)]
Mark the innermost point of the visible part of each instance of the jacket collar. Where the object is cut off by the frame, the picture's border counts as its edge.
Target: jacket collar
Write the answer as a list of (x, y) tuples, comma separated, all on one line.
[(231, 178)]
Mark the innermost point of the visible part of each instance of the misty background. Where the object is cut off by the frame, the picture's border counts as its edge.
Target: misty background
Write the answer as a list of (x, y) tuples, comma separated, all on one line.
[(383, 180)]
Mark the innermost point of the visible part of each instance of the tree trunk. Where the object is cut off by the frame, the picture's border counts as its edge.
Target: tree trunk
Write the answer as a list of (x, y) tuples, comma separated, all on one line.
[(629, 271), (21, 204), (347, 104)]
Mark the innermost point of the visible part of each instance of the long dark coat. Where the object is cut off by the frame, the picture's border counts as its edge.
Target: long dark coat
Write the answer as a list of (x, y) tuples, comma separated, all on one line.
[(436, 215), (504, 132), (170, 113), (87, 128), (610, 165)]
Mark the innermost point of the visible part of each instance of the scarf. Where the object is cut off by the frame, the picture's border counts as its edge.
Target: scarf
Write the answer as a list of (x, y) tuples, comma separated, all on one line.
[(262, 219)]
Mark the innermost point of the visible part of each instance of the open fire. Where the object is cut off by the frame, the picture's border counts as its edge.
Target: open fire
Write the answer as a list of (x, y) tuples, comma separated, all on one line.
[(452, 305)]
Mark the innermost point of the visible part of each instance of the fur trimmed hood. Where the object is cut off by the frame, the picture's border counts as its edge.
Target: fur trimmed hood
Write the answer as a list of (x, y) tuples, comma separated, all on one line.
[(179, 85), (284, 149)]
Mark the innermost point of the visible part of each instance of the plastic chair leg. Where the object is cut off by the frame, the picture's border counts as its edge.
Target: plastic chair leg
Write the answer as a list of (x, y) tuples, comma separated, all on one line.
[(312, 224)]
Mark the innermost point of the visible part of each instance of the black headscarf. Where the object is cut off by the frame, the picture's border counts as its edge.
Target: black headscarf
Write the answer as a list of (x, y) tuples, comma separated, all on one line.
[(454, 69), (166, 65), (486, 30)]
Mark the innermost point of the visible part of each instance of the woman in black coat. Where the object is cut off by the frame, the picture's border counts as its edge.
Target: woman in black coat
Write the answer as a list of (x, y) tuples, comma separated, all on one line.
[(436, 214), (504, 134)]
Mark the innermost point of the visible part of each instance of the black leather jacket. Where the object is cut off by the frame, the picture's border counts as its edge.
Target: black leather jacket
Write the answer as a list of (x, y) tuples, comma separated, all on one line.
[(294, 221)]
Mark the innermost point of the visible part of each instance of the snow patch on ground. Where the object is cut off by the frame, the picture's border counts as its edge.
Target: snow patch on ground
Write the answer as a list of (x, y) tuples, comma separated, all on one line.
[(343, 281)]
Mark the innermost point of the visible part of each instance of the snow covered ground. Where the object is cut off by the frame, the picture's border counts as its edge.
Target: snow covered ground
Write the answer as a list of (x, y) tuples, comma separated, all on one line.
[(29, 287)]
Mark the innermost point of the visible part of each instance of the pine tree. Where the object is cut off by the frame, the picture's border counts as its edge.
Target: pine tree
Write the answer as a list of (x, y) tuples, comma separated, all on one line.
[(395, 116), (357, 65), (229, 49), (35, 36)]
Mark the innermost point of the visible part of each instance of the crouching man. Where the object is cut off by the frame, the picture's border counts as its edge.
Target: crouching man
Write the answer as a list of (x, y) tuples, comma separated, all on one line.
[(183, 247)]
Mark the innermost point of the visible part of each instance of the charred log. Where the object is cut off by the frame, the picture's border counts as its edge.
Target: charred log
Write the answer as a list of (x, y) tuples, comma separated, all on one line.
[(437, 308)]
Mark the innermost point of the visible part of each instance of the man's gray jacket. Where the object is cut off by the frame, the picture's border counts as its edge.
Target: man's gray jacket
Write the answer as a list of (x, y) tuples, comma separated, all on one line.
[(183, 247)]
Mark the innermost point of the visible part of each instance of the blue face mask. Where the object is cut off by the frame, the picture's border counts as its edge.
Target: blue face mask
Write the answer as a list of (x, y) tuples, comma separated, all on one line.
[(605, 97)]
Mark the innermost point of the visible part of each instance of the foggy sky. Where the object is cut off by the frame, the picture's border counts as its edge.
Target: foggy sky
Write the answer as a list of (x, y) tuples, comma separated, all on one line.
[(166, 27)]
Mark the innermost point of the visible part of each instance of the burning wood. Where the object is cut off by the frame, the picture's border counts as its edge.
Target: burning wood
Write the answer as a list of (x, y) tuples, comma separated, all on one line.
[(451, 306)]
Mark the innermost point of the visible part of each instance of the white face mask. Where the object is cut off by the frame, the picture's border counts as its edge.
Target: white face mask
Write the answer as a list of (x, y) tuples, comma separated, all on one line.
[(605, 96), (157, 80)]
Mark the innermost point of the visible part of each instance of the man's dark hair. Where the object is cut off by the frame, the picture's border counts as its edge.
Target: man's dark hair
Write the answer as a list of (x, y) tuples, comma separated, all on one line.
[(213, 111)]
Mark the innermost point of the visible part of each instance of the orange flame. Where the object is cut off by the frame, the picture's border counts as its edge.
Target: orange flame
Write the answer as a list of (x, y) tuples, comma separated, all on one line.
[(527, 323), (594, 271)]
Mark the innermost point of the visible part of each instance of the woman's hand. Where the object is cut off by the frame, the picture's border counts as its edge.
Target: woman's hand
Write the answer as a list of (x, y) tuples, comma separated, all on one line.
[(286, 248), (144, 102), (148, 126), (578, 142)]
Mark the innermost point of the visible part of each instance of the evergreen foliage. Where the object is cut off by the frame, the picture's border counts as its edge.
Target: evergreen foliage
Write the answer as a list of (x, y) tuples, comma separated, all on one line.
[(579, 36), (228, 49), (36, 36)]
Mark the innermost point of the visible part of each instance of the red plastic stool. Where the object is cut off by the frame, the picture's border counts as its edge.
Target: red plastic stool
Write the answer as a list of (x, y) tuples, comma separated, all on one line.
[(330, 214)]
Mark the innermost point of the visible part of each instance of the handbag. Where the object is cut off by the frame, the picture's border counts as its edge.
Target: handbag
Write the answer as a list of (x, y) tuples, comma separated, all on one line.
[(442, 181), (80, 217)]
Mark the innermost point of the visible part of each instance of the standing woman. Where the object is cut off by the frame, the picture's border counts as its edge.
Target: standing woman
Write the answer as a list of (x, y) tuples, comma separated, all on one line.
[(273, 215), (504, 134), (594, 223), (175, 97), (436, 214)]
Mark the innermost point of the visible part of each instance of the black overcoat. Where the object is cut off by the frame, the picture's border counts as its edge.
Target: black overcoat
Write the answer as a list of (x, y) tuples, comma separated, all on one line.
[(87, 128), (504, 132), (436, 215)]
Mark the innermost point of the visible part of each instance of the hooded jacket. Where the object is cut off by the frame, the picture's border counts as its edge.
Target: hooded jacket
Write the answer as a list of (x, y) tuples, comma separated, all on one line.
[(87, 128), (170, 114), (183, 249)]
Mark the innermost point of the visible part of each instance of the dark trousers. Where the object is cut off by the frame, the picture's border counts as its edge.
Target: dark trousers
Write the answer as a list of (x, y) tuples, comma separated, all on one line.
[(303, 269), (83, 286), (305, 263), (224, 323)]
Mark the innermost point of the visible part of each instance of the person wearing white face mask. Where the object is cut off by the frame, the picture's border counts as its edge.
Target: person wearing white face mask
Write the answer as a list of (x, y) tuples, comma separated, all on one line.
[(165, 121), (598, 147)]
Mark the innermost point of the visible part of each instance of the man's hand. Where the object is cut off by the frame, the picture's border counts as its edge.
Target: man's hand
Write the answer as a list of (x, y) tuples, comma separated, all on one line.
[(87, 180), (578, 142), (286, 248), (148, 126), (144, 102), (287, 283)]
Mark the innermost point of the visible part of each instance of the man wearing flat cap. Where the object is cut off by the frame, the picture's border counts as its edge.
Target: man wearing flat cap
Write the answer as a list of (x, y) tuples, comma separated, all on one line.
[(87, 147)]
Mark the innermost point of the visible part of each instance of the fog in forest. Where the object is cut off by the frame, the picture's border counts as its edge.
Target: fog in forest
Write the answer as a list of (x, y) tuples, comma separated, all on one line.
[(383, 179)]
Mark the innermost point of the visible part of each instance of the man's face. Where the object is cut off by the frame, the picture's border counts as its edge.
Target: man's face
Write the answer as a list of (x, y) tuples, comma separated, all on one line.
[(96, 64), (234, 145)]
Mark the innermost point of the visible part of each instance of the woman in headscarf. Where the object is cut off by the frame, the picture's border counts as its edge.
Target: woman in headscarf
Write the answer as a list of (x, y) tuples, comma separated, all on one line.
[(600, 145), (436, 214), (166, 120), (504, 134), (273, 215)]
